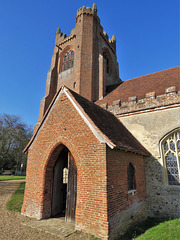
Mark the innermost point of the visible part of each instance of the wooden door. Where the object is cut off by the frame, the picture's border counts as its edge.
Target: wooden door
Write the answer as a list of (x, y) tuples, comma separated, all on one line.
[(71, 189), (57, 199)]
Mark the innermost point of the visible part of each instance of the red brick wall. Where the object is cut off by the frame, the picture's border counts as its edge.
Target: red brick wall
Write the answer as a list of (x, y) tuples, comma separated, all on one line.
[(88, 42), (65, 126), (102, 188), (122, 206)]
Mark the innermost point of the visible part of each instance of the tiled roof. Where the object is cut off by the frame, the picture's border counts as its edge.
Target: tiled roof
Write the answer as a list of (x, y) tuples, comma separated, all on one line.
[(107, 124), (110, 126), (140, 86)]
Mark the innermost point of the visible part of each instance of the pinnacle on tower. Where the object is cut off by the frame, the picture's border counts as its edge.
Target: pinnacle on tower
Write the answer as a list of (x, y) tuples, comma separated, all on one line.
[(113, 39), (94, 8), (58, 31)]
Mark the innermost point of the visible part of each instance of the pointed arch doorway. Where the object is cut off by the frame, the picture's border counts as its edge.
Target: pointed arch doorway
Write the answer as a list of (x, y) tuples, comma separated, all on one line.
[(64, 186)]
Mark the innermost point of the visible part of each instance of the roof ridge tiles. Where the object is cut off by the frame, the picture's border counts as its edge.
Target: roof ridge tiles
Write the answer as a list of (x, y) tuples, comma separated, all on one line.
[(110, 127), (140, 86)]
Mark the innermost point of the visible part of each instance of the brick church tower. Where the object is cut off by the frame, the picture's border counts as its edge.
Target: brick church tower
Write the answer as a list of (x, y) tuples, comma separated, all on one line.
[(81, 159), (85, 61)]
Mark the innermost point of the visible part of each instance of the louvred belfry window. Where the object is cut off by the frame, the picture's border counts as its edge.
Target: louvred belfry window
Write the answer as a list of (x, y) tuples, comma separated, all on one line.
[(171, 155), (68, 60)]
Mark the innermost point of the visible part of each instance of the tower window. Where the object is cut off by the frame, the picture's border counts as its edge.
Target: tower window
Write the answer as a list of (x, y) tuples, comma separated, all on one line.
[(131, 177), (68, 60), (171, 157), (74, 84), (107, 62)]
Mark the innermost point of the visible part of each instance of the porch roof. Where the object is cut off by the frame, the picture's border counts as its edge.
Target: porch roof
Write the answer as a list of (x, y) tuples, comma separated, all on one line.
[(105, 126)]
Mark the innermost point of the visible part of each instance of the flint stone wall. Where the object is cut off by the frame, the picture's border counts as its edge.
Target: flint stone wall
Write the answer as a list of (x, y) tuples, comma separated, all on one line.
[(149, 128)]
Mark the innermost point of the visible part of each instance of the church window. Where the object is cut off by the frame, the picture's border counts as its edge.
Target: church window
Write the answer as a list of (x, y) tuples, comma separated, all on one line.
[(106, 61), (171, 157), (131, 177), (68, 60), (65, 175), (74, 84)]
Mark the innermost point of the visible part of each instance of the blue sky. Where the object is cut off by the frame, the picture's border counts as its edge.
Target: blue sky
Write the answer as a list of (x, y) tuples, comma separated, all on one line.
[(147, 34)]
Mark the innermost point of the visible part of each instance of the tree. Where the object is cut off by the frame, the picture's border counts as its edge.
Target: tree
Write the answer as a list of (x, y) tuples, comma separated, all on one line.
[(14, 136)]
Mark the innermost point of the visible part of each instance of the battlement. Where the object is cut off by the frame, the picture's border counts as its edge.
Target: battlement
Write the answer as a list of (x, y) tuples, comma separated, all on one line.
[(111, 42), (151, 101), (93, 12), (87, 10), (90, 52), (62, 38)]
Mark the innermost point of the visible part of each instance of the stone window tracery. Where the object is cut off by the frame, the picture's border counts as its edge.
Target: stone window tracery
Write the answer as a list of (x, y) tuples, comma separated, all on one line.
[(68, 60), (171, 157)]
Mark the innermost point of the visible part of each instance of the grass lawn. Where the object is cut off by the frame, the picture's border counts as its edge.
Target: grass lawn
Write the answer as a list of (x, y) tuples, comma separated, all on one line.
[(154, 229), (168, 230), (9, 177), (16, 201), (150, 229)]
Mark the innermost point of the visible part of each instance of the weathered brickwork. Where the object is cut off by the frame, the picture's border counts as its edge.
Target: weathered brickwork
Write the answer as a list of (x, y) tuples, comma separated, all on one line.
[(65, 126), (88, 75), (145, 87), (101, 147), (149, 128), (150, 119), (150, 103), (124, 209), (103, 203)]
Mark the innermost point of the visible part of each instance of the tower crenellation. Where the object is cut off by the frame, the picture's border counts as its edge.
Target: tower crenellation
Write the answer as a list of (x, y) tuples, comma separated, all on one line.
[(85, 61), (121, 162), (87, 10)]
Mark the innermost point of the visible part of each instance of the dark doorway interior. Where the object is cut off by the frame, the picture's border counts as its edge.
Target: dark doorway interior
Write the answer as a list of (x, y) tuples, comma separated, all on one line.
[(64, 187), (59, 188)]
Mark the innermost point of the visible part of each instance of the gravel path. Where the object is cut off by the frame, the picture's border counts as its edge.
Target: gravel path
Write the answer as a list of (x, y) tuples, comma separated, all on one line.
[(15, 226)]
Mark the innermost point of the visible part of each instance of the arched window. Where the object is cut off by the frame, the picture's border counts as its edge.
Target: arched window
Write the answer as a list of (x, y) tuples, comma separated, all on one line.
[(68, 60), (107, 62), (171, 157), (131, 177), (65, 175)]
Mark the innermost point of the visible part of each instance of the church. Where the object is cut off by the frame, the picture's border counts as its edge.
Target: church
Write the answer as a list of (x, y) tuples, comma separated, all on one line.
[(105, 154)]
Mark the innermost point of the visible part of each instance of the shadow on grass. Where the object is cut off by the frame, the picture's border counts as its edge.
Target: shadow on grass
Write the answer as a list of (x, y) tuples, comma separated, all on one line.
[(142, 227)]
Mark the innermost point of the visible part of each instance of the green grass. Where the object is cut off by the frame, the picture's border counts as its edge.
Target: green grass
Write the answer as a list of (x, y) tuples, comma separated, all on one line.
[(168, 230), (154, 229), (94, 238), (150, 229), (16, 201), (9, 177)]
